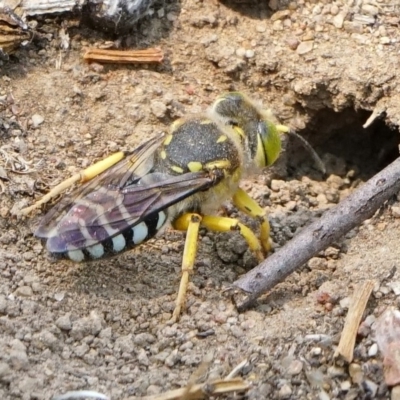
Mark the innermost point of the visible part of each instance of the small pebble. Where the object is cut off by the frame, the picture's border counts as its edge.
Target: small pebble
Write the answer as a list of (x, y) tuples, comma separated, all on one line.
[(345, 386), (277, 185), (396, 211), (37, 120), (3, 304), (295, 367), (305, 47), (158, 108), (285, 392), (171, 17), (273, 4), (59, 296), (277, 25), (345, 302), (369, 9), (24, 291), (19, 360), (373, 350), (261, 28), (249, 53), (356, 373), (292, 43), (172, 359), (316, 351), (142, 358), (338, 20), (372, 388), (336, 372), (5, 371), (240, 52), (64, 323), (334, 10)]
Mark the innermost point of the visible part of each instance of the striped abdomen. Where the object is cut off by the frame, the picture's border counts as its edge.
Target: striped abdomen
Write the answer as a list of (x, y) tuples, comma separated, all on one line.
[(111, 246)]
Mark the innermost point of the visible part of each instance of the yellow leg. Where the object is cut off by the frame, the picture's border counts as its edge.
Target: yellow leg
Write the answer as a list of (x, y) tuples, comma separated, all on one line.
[(250, 207), (191, 224), (224, 224), (82, 177)]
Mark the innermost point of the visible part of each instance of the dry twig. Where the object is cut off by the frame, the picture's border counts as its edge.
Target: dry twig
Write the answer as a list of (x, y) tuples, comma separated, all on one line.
[(203, 390), (124, 56), (333, 224), (356, 310)]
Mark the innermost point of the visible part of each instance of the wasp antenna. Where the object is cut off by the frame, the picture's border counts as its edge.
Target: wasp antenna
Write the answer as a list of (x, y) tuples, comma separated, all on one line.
[(307, 146)]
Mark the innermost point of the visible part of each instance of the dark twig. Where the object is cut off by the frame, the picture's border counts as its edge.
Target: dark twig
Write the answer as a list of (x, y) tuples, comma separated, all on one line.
[(333, 225)]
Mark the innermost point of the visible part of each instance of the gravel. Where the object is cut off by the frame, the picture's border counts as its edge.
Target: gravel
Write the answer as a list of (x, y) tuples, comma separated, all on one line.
[(105, 326)]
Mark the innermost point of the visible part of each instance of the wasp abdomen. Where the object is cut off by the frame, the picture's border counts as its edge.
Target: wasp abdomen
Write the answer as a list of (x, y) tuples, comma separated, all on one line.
[(127, 239)]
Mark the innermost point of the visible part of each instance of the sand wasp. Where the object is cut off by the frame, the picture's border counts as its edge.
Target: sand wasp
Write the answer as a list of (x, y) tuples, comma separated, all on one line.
[(179, 179)]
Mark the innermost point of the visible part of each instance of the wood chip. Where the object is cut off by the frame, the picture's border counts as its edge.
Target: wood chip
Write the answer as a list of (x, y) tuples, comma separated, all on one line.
[(356, 310), (124, 56), (13, 31)]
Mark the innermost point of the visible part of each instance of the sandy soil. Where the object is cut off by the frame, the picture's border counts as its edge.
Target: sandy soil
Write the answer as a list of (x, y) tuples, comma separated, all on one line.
[(104, 326)]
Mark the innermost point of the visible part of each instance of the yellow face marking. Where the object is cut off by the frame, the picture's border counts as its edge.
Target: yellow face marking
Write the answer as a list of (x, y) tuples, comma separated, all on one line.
[(177, 169), (163, 154), (167, 140), (222, 138), (195, 166), (220, 164), (260, 155)]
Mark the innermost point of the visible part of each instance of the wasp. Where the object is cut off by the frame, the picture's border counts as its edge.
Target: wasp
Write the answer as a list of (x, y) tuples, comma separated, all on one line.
[(179, 179)]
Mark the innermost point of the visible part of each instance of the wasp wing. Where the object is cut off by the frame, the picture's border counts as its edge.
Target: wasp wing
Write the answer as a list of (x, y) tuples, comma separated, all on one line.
[(117, 199), (105, 213), (134, 166)]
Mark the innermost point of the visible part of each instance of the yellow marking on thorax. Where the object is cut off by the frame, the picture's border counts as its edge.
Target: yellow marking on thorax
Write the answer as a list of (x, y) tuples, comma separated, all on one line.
[(195, 166), (177, 169), (163, 154), (176, 124), (206, 122), (220, 164), (222, 138), (167, 140)]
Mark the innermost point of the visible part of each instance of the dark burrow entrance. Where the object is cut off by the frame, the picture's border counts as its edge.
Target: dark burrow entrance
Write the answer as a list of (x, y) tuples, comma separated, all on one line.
[(340, 138)]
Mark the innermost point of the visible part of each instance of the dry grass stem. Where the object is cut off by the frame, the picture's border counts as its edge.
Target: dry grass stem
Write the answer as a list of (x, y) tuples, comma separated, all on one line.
[(359, 301), (203, 390)]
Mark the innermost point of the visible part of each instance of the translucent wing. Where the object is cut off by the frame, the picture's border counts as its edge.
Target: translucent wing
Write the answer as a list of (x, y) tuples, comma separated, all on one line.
[(121, 197), (135, 165)]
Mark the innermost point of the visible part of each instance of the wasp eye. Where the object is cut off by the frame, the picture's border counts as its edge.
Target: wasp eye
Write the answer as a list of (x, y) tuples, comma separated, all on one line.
[(270, 140)]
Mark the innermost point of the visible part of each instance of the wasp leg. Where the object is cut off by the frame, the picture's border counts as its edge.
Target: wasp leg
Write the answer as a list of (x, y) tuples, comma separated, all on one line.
[(191, 224), (225, 224), (250, 207), (82, 177)]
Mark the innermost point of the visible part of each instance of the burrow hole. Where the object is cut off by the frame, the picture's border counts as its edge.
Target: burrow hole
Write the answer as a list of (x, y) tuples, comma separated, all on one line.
[(340, 139)]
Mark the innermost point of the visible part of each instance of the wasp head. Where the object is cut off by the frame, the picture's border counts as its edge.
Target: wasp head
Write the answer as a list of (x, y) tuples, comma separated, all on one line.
[(259, 135)]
